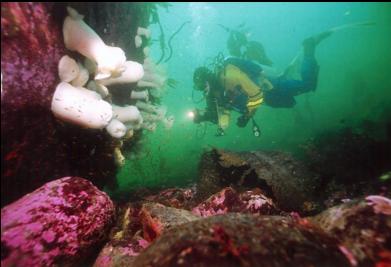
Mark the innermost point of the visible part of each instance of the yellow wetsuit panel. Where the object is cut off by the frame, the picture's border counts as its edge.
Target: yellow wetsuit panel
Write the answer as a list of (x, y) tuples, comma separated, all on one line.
[(233, 77)]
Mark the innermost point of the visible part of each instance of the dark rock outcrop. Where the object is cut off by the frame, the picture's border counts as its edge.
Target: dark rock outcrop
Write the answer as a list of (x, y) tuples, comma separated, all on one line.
[(351, 161), (278, 174)]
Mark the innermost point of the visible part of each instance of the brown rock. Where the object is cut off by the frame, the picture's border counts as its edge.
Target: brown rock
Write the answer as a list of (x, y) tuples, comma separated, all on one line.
[(363, 228), (278, 174), (156, 218), (242, 240)]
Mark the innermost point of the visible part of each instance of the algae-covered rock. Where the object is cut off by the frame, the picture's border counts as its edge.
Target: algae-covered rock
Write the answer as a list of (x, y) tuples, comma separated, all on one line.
[(125, 241), (156, 218), (35, 147), (121, 253), (278, 174), (291, 183), (180, 198), (228, 200), (60, 223), (243, 240), (363, 227)]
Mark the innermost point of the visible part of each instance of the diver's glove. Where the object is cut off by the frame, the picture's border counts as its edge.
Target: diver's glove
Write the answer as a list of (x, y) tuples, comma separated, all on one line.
[(242, 121)]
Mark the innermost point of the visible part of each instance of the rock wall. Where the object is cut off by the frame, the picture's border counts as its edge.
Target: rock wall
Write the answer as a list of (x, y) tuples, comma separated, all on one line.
[(35, 147)]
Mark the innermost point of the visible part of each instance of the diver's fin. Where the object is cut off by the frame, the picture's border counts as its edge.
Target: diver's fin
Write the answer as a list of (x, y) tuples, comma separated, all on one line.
[(225, 27), (310, 43), (352, 25), (322, 36)]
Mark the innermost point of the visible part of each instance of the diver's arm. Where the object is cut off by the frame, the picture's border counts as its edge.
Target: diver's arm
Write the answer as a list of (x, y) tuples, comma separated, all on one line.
[(209, 114), (206, 115)]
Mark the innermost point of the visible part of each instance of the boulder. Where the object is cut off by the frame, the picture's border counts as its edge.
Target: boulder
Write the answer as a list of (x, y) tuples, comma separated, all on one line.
[(137, 226), (363, 226), (243, 240), (156, 218), (228, 200), (281, 177), (61, 223), (180, 198)]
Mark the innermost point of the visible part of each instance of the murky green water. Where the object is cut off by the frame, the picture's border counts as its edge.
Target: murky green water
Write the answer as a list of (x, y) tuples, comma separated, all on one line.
[(354, 80)]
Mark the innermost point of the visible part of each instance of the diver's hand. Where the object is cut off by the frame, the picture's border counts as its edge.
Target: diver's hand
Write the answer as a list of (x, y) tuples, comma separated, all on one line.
[(242, 121), (197, 116), (220, 132)]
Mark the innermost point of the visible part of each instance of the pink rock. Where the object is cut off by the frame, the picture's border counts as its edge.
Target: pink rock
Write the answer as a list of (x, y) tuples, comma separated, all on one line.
[(55, 224), (254, 201), (219, 203), (180, 198), (121, 254), (228, 200), (363, 228), (380, 204)]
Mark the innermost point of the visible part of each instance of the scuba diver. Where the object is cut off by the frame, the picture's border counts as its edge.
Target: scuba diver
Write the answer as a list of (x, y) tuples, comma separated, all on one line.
[(241, 84)]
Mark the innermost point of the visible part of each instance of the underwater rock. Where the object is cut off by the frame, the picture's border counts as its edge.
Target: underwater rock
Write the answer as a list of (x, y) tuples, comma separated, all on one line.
[(121, 253), (255, 202), (125, 239), (157, 218), (228, 200), (290, 182), (363, 227), (277, 174), (242, 240), (349, 162), (61, 223), (180, 198), (137, 225), (31, 47), (34, 146), (219, 203), (210, 177)]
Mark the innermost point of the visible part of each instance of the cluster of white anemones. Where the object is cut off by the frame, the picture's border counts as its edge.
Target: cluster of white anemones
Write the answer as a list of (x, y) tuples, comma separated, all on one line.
[(79, 100)]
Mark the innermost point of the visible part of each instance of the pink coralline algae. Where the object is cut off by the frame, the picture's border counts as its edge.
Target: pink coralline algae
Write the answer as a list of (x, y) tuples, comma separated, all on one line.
[(228, 200), (31, 46), (59, 223), (380, 204), (363, 228), (219, 203), (122, 254), (255, 201)]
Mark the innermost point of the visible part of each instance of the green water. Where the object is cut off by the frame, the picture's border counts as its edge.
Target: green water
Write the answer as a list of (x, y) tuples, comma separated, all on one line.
[(354, 81)]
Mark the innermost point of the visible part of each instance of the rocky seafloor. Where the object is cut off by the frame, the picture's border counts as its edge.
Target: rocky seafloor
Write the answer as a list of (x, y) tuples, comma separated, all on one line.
[(252, 208), (69, 222)]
